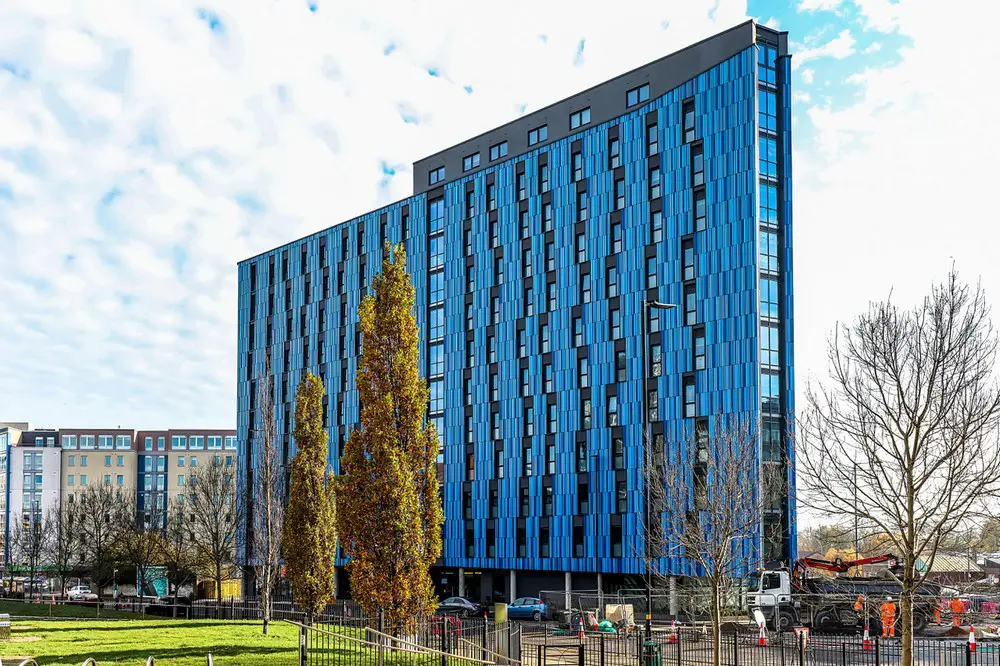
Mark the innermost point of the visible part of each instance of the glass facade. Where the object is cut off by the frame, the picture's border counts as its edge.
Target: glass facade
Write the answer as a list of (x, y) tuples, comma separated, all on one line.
[(530, 274)]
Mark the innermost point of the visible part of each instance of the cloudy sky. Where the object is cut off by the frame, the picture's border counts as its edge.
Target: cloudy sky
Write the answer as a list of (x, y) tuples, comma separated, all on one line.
[(146, 146)]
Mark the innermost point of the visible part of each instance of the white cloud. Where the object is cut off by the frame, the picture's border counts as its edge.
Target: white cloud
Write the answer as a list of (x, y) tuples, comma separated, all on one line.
[(875, 47), (894, 187), (125, 313), (807, 76), (819, 5), (839, 48)]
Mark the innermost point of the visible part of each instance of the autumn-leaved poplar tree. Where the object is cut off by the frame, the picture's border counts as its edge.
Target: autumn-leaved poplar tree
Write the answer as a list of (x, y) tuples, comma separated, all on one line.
[(390, 514), (309, 536)]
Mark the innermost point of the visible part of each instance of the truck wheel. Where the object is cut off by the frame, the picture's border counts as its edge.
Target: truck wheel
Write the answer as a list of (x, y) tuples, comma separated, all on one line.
[(786, 621), (919, 622)]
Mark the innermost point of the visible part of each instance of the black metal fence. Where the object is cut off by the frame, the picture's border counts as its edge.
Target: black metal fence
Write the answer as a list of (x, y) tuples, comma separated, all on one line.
[(546, 645), (440, 640)]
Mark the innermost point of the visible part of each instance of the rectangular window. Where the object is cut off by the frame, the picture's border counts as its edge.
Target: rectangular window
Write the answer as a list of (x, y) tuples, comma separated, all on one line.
[(612, 281), (105, 442), (654, 184), (522, 344), (529, 302), (577, 331), (543, 178), (437, 251), (546, 343), (498, 151), (69, 441), (529, 421), (538, 135), (579, 118), (470, 162), (771, 442), (769, 298), (546, 217), (652, 139), (522, 186), (436, 359), (699, 210), (498, 270), (586, 288), (687, 259), (617, 547), (698, 349), (436, 176), (491, 197), (689, 396), (697, 165), (470, 204), (617, 453), (491, 349), (583, 372), (651, 275), (616, 237), (524, 502), (637, 95), (586, 413), (436, 281), (621, 496), (687, 119), (525, 382), (550, 256), (621, 368), (616, 323), (769, 346), (581, 457), (656, 226), (767, 112), (770, 392), (581, 248), (552, 297), (769, 251), (543, 540), (553, 419), (614, 153), (577, 161), (550, 466), (656, 360), (437, 322), (435, 214), (494, 416), (547, 377), (768, 204), (690, 304), (578, 541), (437, 395), (619, 194), (581, 206), (526, 268), (612, 410)]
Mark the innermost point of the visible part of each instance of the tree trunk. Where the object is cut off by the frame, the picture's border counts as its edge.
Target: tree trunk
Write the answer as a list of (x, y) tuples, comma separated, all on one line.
[(218, 592), (716, 624), (906, 617)]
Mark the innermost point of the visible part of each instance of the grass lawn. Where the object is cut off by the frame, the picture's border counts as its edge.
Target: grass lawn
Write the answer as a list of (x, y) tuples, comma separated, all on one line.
[(20, 608), (171, 642)]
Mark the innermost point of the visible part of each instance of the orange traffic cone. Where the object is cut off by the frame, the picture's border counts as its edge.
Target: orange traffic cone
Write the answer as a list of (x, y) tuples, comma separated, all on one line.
[(762, 638), (866, 642), (972, 639), (673, 632), (580, 633)]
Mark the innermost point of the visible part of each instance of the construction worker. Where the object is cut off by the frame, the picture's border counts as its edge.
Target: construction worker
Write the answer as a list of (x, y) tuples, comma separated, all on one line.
[(888, 613), (957, 608), (937, 613), (859, 605)]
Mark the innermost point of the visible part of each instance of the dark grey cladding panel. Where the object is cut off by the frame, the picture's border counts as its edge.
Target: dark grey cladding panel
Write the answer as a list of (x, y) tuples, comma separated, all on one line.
[(606, 101)]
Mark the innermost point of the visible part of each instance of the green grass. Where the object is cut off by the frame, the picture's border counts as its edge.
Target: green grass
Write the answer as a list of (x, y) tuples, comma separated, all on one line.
[(20, 608), (171, 642)]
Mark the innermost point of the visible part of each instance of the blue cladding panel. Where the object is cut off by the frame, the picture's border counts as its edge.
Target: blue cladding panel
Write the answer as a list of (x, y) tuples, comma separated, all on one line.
[(725, 99)]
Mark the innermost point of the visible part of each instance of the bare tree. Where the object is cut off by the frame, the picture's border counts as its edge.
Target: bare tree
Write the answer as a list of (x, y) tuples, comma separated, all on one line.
[(269, 496), (714, 493), (141, 542), (214, 516), (98, 522), (179, 556), (903, 434), (30, 540), (62, 552)]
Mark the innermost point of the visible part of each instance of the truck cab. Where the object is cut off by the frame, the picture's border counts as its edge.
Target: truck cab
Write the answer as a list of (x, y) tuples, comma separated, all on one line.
[(769, 593)]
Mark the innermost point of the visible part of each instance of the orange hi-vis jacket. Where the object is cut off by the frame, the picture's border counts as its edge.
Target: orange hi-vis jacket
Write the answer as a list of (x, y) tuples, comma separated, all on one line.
[(859, 605), (957, 606), (888, 609)]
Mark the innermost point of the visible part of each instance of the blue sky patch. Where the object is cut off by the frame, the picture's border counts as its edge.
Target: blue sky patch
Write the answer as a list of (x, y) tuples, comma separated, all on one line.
[(212, 19)]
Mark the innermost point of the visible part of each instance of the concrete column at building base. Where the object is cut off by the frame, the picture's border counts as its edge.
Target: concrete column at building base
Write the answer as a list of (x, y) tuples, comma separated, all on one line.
[(600, 594), (569, 590), (513, 586), (461, 581), (672, 587)]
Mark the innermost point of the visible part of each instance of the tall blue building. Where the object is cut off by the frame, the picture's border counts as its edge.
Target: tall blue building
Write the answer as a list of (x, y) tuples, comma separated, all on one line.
[(532, 248)]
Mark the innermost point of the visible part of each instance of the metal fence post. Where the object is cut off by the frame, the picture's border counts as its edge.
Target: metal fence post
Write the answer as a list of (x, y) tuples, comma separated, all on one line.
[(802, 649), (581, 660), (968, 655), (303, 652), (483, 640), (602, 650), (540, 661), (878, 651), (843, 653), (736, 647), (679, 634), (380, 654)]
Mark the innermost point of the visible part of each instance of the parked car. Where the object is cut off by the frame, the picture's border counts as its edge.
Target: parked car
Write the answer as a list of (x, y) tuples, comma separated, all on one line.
[(462, 607), (81, 593), (528, 608)]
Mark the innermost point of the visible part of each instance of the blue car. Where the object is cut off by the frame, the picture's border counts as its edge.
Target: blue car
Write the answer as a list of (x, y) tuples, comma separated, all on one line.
[(528, 608)]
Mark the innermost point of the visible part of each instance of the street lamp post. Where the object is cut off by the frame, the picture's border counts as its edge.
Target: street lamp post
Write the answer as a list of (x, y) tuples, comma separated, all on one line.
[(647, 306)]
